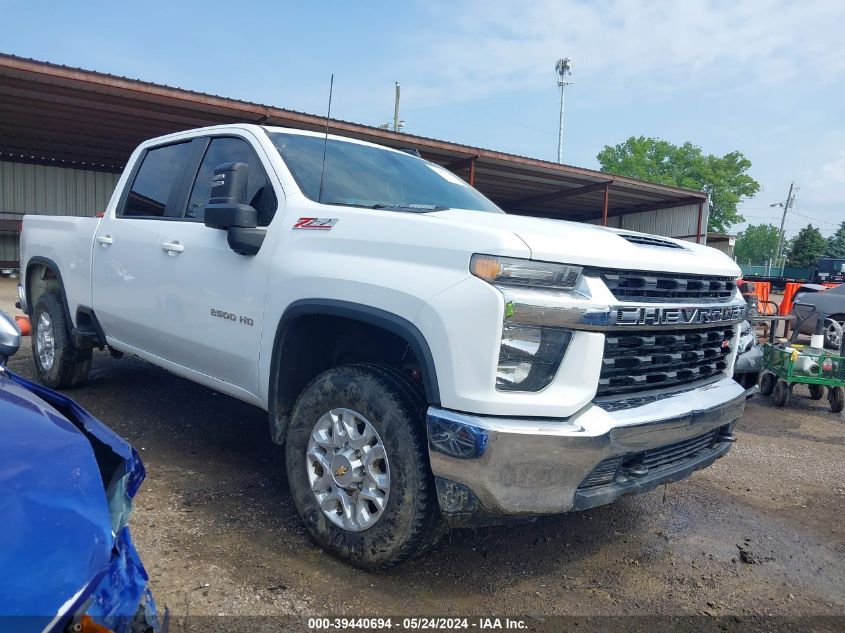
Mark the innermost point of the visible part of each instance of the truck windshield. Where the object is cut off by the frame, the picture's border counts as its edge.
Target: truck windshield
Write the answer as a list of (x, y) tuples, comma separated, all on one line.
[(372, 177)]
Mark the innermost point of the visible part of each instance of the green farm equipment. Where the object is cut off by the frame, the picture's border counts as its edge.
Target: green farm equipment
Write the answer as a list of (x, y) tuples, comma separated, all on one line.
[(788, 364), (783, 368)]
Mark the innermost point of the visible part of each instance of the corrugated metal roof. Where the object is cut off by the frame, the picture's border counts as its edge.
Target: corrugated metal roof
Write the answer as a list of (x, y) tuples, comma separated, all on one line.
[(55, 114)]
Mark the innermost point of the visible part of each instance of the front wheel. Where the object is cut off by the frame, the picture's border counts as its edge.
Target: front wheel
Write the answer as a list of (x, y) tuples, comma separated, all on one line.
[(767, 384), (781, 393), (358, 469), (58, 362)]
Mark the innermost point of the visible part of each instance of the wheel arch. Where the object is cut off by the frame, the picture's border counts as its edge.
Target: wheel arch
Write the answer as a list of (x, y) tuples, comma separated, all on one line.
[(51, 279), (281, 399)]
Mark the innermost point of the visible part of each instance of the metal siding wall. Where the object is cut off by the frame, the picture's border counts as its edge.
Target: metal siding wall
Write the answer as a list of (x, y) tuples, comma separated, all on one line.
[(45, 190), (674, 222), (680, 222), (724, 246), (48, 190)]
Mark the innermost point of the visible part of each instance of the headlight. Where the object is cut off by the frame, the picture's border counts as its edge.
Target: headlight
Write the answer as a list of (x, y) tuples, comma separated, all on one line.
[(529, 356), (509, 271)]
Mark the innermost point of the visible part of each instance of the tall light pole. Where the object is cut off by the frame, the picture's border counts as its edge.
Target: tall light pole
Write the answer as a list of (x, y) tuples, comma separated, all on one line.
[(563, 67), (790, 199), (396, 109), (397, 125)]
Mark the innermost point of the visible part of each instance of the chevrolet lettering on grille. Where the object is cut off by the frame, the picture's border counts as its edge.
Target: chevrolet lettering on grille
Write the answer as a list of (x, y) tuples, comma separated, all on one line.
[(644, 315)]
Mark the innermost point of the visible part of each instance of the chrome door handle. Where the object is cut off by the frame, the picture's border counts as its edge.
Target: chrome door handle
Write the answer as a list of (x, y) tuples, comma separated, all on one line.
[(172, 247), (105, 240)]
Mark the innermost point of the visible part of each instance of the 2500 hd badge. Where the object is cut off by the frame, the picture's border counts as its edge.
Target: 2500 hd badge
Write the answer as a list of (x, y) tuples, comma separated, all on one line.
[(245, 320)]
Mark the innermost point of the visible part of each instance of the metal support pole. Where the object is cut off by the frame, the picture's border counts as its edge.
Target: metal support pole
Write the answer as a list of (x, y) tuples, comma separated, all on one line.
[(698, 230), (563, 68), (472, 173), (560, 128), (604, 208), (782, 222), (396, 109)]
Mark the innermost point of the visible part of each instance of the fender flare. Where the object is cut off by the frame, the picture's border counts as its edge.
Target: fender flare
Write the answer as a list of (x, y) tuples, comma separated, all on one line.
[(50, 264), (357, 312)]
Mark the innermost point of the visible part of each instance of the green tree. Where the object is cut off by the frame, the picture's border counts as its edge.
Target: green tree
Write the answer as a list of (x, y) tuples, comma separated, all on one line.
[(724, 177), (806, 247), (757, 244), (836, 243)]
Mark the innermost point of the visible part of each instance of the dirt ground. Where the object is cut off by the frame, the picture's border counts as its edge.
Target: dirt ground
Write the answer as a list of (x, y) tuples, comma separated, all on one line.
[(760, 532)]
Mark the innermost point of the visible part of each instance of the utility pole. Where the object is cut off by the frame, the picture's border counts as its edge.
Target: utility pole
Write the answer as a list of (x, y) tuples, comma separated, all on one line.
[(563, 67), (398, 124), (396, 110), (785, 206)]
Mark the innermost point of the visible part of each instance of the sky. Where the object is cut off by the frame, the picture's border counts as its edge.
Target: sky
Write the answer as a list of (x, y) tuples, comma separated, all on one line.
[(764, 77)]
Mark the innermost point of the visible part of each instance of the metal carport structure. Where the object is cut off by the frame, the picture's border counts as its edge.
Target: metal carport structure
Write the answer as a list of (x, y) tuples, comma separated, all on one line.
[(60, 125)]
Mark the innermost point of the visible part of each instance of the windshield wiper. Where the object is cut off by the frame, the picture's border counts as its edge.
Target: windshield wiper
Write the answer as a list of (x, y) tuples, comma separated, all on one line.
[(412, 206), (403, 206)]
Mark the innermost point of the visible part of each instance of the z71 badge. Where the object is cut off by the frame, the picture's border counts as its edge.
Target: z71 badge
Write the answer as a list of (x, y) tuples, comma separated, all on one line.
[(322, 224)]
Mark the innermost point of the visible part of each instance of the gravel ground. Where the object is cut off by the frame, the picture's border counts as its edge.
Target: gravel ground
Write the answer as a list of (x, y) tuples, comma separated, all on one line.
[(759, 533)]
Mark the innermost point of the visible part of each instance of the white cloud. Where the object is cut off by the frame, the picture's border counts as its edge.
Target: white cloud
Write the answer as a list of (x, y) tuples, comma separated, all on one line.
[(826, 184), (486, 46)]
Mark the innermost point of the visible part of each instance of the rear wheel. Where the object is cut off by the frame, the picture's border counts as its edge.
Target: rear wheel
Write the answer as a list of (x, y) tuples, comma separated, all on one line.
[(58, 362), (357, 467), (781, 393), (767, 384), (817, 392), (833, 328), (836, 399)]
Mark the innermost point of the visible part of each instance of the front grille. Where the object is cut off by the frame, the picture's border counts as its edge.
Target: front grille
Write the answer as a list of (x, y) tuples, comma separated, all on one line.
[(668, 287), (641, 464), (602, 474), (642, 360)]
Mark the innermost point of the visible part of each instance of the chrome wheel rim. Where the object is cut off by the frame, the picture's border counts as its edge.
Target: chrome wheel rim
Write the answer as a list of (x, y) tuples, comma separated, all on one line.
[(347, 469), (833, 332), (45, 342)]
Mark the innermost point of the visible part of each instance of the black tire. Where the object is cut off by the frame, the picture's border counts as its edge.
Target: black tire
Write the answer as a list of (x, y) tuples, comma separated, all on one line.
[(836, 399), (816, 392), (750, 379), (69, 365), (767, 383), (410, 522), (781, 393)]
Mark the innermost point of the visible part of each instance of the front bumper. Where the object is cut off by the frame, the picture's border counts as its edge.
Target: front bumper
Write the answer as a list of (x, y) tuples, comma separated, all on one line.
[(512, 467), (21, 302)]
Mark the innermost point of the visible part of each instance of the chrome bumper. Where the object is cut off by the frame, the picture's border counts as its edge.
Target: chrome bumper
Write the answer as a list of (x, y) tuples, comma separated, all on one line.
[(492, 466), (21, 304)]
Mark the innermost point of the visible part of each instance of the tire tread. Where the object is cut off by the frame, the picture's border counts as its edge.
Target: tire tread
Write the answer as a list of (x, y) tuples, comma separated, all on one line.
[(71, 365)]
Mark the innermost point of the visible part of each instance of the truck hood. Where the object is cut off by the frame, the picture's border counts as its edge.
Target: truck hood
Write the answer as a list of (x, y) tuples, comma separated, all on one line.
[(591, 245)]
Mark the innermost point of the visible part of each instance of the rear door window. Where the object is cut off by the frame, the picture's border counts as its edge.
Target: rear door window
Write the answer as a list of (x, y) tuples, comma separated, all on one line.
[(156, 181), (229, 149)]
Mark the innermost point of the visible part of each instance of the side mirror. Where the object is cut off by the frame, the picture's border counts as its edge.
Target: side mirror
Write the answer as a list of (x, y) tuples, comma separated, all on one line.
[(10, 337), (227, 205), (227, 209)]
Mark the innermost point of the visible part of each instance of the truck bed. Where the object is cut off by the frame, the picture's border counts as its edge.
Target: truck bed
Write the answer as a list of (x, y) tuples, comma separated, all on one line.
[(67, 242)]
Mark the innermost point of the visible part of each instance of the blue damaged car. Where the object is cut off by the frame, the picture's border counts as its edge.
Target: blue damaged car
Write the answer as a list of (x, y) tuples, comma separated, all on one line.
[(67, 561)]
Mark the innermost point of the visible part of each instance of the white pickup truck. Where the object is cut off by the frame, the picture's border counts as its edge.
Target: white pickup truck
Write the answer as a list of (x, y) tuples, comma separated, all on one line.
[(426, 360)]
